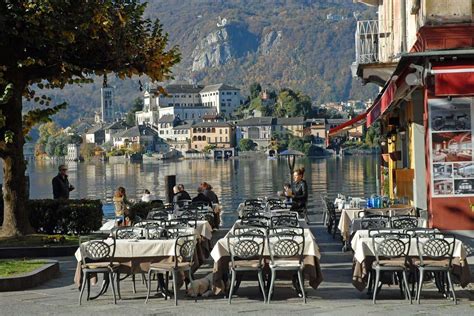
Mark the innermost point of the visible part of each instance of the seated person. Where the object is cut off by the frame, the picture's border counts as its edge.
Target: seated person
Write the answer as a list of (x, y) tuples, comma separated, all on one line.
[(180, 195), (200, 197)]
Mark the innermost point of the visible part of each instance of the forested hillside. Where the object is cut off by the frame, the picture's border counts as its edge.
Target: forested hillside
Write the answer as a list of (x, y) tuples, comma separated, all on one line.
[(277, 43)]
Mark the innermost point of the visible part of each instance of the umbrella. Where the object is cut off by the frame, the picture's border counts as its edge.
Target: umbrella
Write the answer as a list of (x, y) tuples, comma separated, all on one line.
[(291, 154)]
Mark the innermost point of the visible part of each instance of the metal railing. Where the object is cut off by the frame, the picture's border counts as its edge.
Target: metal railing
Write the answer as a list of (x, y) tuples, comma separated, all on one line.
[(377, 41)]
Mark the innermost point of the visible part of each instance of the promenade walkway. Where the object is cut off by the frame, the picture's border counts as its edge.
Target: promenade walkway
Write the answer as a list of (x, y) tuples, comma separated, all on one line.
[(335, 296)]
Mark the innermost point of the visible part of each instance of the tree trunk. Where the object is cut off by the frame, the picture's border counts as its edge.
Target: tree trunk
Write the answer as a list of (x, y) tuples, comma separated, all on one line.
[(15, 215)]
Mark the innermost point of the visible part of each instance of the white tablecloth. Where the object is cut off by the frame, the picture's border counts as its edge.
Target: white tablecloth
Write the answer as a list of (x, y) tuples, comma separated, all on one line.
[(152, 248), (347, 215), (310, 247), (362, 246)]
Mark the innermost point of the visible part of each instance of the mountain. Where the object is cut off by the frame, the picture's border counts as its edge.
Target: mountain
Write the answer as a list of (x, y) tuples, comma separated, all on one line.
[(305, 45)]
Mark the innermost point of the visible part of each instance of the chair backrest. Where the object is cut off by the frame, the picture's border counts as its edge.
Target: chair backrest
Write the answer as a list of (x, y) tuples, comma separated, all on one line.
[(286, 243), (149, 223), (246, 247), (253, 202), (374, 222), (128, 232), (391, 246), (184, 249), (155, 233), (251, 212), (258, 221), (436, 246), (158, 214), (97, 250), (285, 220), (176, 231), (182, 203), (206, 216), (249, 230), (331, 208), (200, 204), (403, 222)]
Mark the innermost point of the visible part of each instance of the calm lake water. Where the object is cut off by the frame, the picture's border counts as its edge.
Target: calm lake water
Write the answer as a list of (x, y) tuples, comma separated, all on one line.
[(233, 180)]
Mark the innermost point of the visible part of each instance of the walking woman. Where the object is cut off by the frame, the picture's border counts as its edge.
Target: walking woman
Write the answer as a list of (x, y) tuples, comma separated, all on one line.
[(300, 192)]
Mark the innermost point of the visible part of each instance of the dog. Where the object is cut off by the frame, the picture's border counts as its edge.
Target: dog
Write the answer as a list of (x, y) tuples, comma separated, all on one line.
[(201, 287)]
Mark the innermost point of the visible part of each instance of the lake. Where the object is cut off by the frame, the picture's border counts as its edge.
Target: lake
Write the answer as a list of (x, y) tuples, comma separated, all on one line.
[(233, 180)]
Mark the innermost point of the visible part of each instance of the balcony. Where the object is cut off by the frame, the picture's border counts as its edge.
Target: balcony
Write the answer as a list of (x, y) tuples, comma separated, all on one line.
[(378, 45)]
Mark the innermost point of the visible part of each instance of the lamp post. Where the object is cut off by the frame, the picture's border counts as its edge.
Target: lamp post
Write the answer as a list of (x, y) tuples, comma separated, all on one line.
[(291, 155)]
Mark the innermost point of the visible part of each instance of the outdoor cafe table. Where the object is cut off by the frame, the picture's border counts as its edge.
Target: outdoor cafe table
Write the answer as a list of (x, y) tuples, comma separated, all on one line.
[(349, 216), (135, 256), (312, 270), (364, 256)]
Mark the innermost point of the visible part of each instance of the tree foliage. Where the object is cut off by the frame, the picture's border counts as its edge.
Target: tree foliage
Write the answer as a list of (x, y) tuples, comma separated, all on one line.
[(247, 144), (136, 106), (47, 44)]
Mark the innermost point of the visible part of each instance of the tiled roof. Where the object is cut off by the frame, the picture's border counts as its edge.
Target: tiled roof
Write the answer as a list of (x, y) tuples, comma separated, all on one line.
[(299, 120), (212, 124), (256, 121), (218, 87), (183, 88)]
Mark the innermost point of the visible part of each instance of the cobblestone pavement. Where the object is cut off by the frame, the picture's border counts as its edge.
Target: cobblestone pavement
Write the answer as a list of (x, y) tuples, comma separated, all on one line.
[(335, 296)]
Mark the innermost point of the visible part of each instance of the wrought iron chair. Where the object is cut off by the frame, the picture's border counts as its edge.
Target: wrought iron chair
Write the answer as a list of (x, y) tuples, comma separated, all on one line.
[(129, 232), (149, 223), (246, 253), (258, 221), (97, 256), (333, 217), (378, 222), (391, 254), (403, 222), (208, 216), (286, 246), (157, 214), (155, 233), (285, 220), (254, 202), (183, 261), (418, 231), (435, 253)]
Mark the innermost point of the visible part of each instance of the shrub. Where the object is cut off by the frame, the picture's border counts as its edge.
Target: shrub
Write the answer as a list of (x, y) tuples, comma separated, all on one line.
[(65, 216)]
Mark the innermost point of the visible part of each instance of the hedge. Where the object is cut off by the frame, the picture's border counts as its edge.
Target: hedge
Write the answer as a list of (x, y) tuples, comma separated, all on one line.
[(65, 216)]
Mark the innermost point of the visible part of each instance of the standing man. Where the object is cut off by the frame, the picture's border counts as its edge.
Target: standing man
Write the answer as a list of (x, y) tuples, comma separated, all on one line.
[(61, 186)]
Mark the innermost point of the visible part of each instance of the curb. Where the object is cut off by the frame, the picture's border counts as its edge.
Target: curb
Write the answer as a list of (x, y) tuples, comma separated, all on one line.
[(37, 252), (31, 279)]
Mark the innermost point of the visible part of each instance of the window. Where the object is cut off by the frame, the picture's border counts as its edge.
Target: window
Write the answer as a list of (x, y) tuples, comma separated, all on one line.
[(199, 138), (220, 130), (220, 139), (194, 138), (213, 129), (229, 100), (235, 93), (204, 138), (226, 139)]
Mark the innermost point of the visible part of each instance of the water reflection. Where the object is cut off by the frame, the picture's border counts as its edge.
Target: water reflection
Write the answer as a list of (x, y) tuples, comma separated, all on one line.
[(233, 180)]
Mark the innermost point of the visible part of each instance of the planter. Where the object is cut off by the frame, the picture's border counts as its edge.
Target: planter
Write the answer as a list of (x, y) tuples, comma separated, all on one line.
[(28, 280), (37, 252)]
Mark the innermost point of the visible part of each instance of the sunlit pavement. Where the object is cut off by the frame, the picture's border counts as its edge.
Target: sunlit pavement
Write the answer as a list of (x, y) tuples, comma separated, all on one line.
[(335, 296)]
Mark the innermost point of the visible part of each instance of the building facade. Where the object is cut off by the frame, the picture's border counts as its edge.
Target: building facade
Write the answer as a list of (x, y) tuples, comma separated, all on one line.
[(107, 104), (219, 134), (420, 54)]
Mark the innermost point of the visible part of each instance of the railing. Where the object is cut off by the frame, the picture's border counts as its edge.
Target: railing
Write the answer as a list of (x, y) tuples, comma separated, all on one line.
[(377, 41)]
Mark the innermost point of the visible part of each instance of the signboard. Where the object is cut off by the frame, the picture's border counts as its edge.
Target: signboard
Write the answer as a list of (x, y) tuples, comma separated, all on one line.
[(452, 162)]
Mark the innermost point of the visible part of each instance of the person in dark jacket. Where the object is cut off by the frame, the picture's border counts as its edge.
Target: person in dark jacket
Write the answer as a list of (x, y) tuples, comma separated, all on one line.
[(299, 191), (207, 191), (200, 197), (61, 186), (180, 195)]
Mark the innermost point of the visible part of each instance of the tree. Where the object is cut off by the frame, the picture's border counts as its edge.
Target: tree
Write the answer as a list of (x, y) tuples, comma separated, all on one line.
[(255, 89), (247, 144), (137, 106), (51, 43)]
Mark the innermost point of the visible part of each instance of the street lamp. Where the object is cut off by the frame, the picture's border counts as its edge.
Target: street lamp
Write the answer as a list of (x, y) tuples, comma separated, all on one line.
[(291, 155)]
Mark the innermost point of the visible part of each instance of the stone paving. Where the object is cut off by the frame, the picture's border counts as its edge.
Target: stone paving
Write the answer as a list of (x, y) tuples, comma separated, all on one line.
[(335, 296)]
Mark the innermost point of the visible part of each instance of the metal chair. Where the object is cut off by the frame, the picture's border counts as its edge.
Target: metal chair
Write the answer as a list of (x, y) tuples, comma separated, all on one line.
[(158, 214), (286, 246), (375, 222), (128, 232), (155, 233), (246, 253), (149, 223), (333, 217), (97, 256), (391, 254), (258, 221), (183, 261), (403, 222), (418, 231), (435, 253), (285, 220)]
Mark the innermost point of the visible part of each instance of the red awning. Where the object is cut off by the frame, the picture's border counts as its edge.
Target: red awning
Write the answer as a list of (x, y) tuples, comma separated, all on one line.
[(381, 104), (356, 121), (453, 79)]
